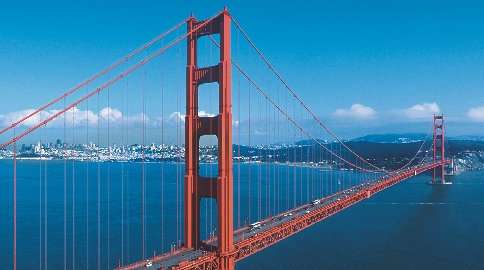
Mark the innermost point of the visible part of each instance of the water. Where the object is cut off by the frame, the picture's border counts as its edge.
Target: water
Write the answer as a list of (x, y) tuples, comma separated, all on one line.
[(40, 213), (410, 225)]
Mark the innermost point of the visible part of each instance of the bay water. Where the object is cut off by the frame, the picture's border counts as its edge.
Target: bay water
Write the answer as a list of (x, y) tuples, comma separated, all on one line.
[(99, 205)]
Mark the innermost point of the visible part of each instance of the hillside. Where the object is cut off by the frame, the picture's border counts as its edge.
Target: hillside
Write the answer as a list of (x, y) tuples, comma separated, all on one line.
[(391, 156)]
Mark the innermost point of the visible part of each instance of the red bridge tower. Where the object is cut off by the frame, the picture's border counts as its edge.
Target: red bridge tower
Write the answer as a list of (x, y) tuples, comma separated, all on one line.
[(439, 148), (221, 187)]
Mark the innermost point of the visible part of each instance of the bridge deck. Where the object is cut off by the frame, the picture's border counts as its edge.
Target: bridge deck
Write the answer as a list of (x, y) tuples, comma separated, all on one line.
[(281, 226)]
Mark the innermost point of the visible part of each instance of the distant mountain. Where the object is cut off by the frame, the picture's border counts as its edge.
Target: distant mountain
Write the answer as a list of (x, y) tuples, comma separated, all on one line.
[(457, 146), (412, 137), (393, 138)]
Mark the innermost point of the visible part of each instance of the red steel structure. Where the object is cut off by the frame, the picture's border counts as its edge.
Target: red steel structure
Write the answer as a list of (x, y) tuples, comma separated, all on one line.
[(439, 146), (221, 187)]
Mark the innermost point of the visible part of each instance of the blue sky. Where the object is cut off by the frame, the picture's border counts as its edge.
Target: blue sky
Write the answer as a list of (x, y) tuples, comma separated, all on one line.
[(362, 67)]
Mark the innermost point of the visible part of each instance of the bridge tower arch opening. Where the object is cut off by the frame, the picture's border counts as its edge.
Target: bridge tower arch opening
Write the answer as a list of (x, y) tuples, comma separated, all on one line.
[(220, 187)]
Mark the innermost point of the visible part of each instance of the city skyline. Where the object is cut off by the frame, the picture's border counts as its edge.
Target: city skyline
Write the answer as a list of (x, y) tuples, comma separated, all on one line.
[(376, 67)]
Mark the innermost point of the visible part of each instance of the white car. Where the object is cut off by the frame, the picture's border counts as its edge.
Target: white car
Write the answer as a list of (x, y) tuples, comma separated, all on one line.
[(148, 263)]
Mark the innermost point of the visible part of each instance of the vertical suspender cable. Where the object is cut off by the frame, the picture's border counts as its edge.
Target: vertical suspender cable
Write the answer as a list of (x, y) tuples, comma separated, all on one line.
[(322, 174), (357, 172), (178, 194), (89, 148), (287, 158), (73, 195), (45, 212), (123, 159), (259, 153), (267, 153), (328, 181), (40, 210), (278, 176), (286, 167), (276, 149), (127, 178), (180, 140), (295, 162), (301, 164), (163, 152), (238, 133), (318, 160), (14, 202), (210, 143), (362, 173), (65, 197), (143, 173), (42, 202), (350, 175), (341, 181), (308, 160), (179, 183), (109, 181), (249, 147), (98, 188)]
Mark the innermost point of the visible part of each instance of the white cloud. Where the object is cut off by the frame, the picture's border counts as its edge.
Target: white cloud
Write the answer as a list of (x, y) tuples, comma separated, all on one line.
[(356, 111), (424, 110), (111, 114), (72, 117), (76, 117), (205, 114), (476, 114), (10, 118), (136, 120), (177, 116)]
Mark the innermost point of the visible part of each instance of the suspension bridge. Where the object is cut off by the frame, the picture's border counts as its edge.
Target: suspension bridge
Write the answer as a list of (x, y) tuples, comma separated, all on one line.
[(227, 180)]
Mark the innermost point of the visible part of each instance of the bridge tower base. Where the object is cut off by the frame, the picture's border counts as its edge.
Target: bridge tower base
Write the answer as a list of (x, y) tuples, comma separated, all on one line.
[(439, 182)]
